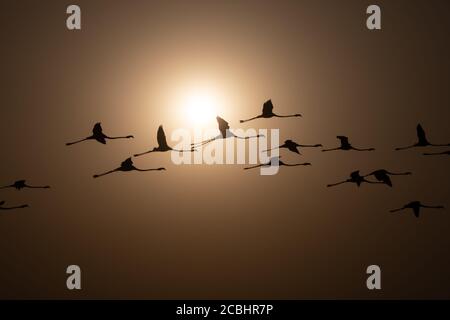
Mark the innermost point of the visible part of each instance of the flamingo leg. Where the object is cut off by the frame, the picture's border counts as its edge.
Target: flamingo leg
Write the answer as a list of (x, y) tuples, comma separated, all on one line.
[(143, 170), (242, 121), (309, 145), (433, 207), (124, 137), (399, 209), (338, 148), (367, 149), (12, 208), (75, 142), (38, 187), (104, 174), (297, 164), (404, 148), (199, 144), (257, 166), (400, 173), (336, 184), (141, 154), (287, 116)]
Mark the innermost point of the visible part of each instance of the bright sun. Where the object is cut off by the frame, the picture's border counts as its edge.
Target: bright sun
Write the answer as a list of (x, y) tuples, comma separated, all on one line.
[(200, 107)]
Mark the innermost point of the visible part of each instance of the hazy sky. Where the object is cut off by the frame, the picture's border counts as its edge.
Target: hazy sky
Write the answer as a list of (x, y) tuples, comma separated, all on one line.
[(219, 231)]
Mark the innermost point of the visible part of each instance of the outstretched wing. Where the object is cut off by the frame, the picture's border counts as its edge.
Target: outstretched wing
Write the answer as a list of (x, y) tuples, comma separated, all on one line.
[(385, 179), (97, 129), (421, 133), (355, 175), (267, 107), (127, 163), (416, 211), (161, 136), (223, 126), (344, 139)]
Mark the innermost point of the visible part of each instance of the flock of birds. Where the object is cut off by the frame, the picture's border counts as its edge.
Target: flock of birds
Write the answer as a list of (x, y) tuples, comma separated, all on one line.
[(382, 176)]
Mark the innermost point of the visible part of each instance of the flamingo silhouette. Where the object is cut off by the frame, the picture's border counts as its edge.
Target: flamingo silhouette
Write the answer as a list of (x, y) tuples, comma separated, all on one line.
[(125, 166), (422, 140), (415, 206), (162, 144), (97, 134), (280, 163), (267, 112), (20, 184), (225, 133), (383, 175), (355, 177), (11, 208), (345, 145), (438, 153), (292, 146)]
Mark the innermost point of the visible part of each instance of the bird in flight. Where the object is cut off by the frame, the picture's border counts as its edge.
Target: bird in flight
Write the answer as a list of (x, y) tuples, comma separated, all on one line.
[(438, 153), (11, 208), (20, 184), (125, 166), (383, 175), (97, 134), (293, 146), (422, 140), (355, 177), (267, 112), (162, 144), (280, 163), (225, 133), (345, 145), (415, 206)]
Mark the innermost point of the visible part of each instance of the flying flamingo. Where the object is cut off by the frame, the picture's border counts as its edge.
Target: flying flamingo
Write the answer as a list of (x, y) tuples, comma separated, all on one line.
[(20, 184), (280, 163), (355, 177), (267, 112), (415, 206), (11, 208), (292, 146), (422, 142), (97, 134), (345, 145), (127, 165), (225, 133), (383, 175), (438, 153), (162, 144)]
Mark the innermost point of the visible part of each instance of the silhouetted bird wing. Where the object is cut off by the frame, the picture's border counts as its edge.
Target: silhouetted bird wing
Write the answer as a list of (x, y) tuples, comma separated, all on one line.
[(97, 131), (385, 179), (101, 139), (127, 163), (343, 139), (416, 211), (162, 142), (355, 175), (223, 126), (267, 107), (421, 133)]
